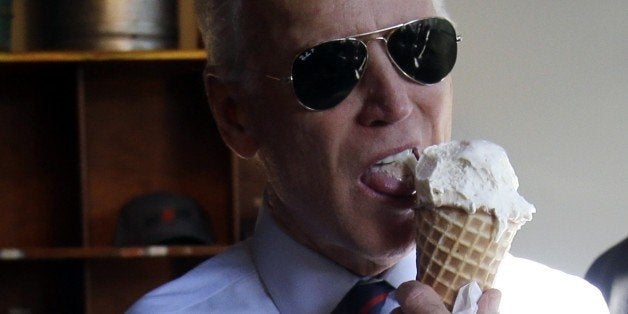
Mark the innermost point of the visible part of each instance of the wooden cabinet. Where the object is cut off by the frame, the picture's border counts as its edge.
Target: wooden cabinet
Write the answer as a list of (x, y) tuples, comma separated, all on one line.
[(81, 133)]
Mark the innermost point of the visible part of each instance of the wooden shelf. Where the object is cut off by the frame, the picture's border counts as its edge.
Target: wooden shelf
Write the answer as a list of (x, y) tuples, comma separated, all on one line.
[(84, 133), (156, 251), (101, 56)]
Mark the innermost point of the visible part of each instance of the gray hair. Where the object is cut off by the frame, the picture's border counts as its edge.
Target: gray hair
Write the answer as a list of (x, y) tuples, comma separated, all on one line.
[(221, 17), (225, 17)]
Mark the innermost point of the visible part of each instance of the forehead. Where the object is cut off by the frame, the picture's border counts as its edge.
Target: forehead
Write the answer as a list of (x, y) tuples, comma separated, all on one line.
[(292, 26), (340, 18)]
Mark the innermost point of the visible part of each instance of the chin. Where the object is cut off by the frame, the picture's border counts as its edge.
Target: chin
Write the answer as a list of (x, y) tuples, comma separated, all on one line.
[(391, 242), (386, 257)]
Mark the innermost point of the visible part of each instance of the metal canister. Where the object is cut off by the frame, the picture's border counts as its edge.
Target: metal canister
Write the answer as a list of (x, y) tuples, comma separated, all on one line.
[(102, 24)]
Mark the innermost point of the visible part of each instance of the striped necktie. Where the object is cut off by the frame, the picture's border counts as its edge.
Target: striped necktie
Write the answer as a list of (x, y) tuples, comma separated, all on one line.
[(365, 297)]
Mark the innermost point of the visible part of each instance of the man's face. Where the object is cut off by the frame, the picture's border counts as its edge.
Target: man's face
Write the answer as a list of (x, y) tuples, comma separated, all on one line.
[(325, 186)]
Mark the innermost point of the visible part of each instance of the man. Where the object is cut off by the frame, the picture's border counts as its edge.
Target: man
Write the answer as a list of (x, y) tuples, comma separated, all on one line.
[(335, 214)]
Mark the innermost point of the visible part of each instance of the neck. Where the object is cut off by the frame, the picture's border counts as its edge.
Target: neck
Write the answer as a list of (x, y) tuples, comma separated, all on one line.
[(357, 263)]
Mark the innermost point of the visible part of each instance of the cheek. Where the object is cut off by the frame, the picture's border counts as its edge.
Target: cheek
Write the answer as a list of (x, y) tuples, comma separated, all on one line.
[(447, 109), (303, 158), (270, 109), (436, 105), (440, 97), (286, 145)]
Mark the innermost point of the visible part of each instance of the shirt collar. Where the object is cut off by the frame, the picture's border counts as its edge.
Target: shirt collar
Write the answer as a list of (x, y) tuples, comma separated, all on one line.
[(298, 279)]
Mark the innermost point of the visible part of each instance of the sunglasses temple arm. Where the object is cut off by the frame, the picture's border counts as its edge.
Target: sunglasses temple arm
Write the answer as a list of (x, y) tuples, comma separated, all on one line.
[(280, 79)]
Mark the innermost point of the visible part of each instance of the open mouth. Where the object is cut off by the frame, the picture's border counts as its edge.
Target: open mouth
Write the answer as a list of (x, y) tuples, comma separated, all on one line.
[(393, 175), (398, 158)]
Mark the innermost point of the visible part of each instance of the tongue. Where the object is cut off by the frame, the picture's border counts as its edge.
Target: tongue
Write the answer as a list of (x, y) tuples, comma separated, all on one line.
[(387, 182)]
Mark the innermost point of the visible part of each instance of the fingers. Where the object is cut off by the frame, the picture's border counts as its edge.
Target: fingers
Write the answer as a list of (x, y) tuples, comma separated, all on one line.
[(417, 298), (489, 302)]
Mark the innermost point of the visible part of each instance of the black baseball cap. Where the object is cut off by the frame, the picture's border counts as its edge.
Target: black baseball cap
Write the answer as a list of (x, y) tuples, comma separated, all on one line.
[(162, 218)]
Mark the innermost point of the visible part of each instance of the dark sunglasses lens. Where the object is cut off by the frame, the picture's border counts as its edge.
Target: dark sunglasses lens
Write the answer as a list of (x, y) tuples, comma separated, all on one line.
[(425, 50), (323, 76)]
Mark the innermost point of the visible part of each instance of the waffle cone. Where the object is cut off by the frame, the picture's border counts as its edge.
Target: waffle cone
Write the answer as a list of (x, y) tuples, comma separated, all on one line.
[(455, 248)]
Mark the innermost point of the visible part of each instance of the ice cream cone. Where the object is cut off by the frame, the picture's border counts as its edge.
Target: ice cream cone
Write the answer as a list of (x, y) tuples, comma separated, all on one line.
[(455, 248)]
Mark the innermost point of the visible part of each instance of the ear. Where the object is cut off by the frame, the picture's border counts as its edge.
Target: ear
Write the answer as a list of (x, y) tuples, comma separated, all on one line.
[(230, 117)]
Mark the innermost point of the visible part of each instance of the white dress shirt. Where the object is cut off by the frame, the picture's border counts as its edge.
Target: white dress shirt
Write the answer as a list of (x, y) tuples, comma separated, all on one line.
[(272, 273)]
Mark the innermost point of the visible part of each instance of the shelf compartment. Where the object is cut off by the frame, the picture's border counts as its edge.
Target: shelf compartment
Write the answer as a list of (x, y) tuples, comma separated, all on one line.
[(39, 174), (149, 131), (42, 287)]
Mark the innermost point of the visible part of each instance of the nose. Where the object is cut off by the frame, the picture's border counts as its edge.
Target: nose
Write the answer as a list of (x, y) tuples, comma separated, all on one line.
[(383, 89)]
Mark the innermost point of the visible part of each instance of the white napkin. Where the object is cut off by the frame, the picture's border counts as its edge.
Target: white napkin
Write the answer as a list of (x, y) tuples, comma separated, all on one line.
[(467, 299)]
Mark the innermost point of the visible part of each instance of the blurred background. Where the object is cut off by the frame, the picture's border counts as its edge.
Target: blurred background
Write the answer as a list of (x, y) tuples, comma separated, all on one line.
[(548, 80)]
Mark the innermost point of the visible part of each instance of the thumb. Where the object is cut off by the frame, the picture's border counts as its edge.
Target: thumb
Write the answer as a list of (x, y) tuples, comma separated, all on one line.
[(417, 298), (489, 302)]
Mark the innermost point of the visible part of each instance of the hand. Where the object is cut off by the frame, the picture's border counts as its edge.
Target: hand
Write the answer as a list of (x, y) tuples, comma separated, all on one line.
[(417, 298)]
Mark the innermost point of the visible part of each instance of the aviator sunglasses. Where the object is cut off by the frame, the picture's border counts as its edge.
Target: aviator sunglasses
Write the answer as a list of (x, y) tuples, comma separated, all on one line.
[(423, 51)]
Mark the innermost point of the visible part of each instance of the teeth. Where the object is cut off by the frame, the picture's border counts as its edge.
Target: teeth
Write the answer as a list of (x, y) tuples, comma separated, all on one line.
[(404, 155)]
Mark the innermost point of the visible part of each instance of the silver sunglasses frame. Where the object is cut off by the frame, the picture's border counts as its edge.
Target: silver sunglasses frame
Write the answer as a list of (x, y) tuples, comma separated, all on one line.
[(387, 32)]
